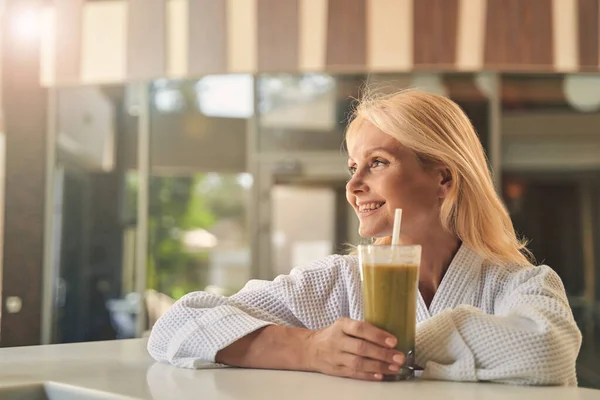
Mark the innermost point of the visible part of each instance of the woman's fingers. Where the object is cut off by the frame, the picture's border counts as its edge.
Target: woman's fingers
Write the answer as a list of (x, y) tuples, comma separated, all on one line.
[(353, 349), (347, 372), (364, 330), (367, 365), (366, 349)]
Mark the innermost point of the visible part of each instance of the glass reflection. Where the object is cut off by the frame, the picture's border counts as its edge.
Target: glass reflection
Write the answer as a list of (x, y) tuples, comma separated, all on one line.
[(226, 95), (197, 233)]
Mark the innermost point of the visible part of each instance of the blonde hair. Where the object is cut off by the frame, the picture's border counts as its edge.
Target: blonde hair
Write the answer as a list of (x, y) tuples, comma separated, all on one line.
[(438, 132)]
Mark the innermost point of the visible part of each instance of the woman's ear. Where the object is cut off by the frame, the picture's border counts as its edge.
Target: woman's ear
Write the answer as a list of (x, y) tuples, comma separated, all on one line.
[(445, 182)]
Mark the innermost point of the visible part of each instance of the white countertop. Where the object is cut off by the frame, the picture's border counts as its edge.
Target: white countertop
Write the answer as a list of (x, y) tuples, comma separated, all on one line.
[(123, 370)]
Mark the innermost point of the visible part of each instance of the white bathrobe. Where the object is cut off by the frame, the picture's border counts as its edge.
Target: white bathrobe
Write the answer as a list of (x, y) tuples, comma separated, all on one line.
[(486, 322)]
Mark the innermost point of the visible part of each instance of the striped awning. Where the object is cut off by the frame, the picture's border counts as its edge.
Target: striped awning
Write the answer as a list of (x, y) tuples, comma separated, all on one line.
[(116, 41)]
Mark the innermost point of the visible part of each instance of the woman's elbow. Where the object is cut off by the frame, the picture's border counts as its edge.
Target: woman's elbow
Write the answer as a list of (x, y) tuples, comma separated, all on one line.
[(158, 343), (552, 360)]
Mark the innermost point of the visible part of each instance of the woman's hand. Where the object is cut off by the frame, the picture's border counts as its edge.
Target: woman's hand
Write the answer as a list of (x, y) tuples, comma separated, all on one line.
[(353, 349)]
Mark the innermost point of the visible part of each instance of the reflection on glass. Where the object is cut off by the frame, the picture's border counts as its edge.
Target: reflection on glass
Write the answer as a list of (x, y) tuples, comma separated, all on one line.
[(168, 96), (199, 188), (91, 243), (281, 91), (228, 96), (305, 112), (197, 233)]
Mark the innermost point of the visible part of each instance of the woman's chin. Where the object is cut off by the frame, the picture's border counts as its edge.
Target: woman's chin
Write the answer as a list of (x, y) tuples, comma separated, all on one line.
[(369, 234)]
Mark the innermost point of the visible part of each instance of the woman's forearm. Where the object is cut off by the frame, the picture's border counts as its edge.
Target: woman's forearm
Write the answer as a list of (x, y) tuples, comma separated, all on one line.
[(271, 347), (348, 348)]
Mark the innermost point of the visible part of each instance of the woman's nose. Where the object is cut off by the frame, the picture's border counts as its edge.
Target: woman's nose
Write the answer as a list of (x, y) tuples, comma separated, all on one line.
[(356, 184)]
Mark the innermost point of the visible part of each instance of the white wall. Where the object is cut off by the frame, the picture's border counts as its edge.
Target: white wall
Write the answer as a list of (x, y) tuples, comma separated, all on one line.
[(303, 225)]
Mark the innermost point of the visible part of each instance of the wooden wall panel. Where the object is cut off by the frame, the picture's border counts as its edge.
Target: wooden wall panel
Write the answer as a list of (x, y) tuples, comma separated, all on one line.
[(537, 26), (207, 44), (390, 35), (313, 34), (564, 35), (346, 34), (500, 22), (470, 35), (196, 37), (67, 53), (278, 31), (25, 119), (435, 32), (588, 32), (146, 56), (241, 36), (519, 34), (104, 42), (177, 38)]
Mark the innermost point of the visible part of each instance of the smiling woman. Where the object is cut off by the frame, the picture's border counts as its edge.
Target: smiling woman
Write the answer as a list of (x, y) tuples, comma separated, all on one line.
[(484, 313), (440, 148)]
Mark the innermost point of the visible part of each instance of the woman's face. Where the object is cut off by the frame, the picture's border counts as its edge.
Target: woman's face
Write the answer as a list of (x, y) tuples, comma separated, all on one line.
[(386, 176)]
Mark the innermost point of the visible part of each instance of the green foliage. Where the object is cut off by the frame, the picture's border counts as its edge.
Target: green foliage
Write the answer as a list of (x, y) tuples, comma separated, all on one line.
[(178, 204)]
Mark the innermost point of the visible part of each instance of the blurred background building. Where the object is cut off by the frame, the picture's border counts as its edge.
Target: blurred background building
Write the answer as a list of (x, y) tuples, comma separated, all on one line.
[(154, 147)]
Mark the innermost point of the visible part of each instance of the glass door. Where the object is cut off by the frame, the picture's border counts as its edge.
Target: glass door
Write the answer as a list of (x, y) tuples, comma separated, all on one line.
[(88, 280), (304, 224), (199, 187)]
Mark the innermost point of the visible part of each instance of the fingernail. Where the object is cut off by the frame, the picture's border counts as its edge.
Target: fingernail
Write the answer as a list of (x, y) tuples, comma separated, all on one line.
[(394, 368), (378, 376), (398, 358), (390, 342)]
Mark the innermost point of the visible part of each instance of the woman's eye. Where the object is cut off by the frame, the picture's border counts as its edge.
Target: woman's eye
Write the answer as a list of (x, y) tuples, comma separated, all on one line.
[(377, 163), (351, 170)]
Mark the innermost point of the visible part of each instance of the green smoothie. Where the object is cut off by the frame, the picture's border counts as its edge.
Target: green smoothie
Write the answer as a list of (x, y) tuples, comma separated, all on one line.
[(390, 301)]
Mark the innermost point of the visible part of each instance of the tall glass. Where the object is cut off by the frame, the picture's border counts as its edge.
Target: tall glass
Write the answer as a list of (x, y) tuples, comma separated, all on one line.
[(390, 280)]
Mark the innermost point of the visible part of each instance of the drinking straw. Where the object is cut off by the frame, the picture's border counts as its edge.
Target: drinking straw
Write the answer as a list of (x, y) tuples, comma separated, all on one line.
[(396, 230)]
